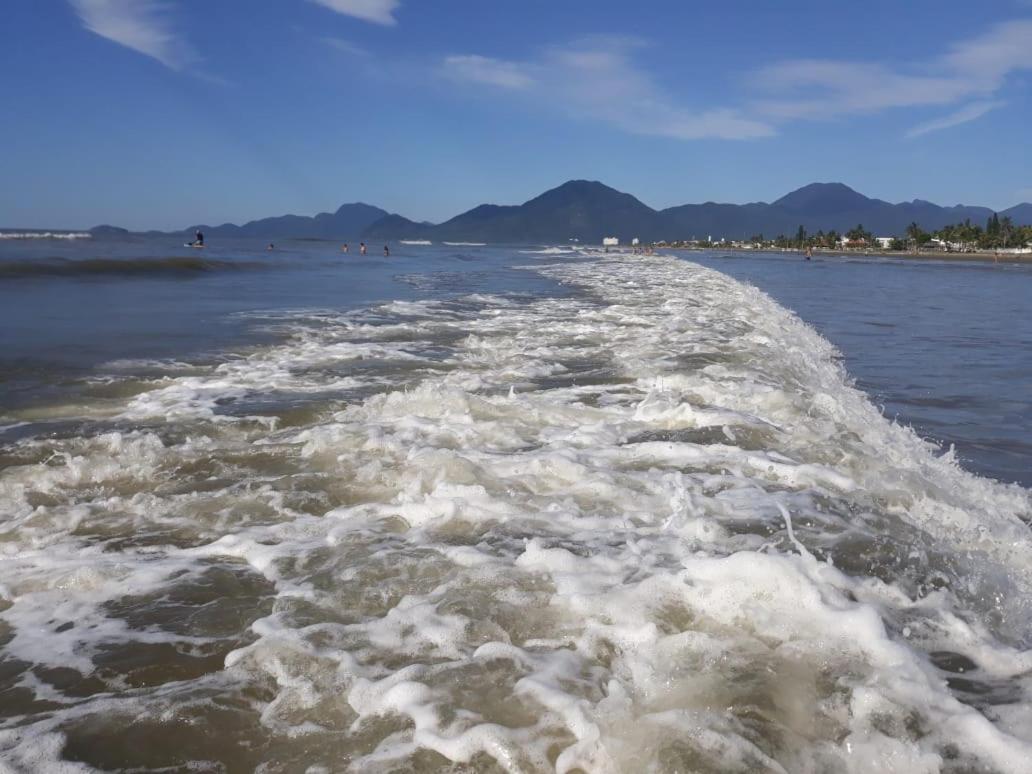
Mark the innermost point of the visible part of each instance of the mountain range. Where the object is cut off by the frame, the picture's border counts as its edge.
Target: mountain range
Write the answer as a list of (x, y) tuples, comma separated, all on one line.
[(587, 210)]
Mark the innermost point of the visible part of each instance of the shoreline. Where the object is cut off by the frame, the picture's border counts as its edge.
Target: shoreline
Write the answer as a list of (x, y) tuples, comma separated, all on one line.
[(978, 257)]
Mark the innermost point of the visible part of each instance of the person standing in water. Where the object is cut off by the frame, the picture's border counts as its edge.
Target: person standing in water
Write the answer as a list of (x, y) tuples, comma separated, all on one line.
[(344, 247), (198, 239), (386, 251), (362, 248)]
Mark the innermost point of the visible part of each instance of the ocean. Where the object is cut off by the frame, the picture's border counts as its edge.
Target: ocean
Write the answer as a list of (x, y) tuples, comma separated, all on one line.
[(511, 509)]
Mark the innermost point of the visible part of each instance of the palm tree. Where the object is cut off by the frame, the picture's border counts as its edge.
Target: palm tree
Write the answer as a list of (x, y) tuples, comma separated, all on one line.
[(914, 233), (1006, 229)]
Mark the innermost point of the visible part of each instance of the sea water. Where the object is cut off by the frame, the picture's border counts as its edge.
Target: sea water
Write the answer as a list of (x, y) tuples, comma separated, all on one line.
[(497, 509), (943, 346)]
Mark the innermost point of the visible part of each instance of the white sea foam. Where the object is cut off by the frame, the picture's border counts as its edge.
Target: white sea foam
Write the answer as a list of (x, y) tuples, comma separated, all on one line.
[(45, 235), (550, 251), (416, 242), (650, 526)]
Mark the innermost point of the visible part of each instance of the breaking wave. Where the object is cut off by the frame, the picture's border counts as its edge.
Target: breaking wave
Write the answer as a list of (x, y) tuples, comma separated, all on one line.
[(552, 251), (59, 267), (45, 235), (649, 526)]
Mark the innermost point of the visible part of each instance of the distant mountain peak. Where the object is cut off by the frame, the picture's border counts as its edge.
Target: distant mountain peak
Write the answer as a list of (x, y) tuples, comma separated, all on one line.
[(582, 185), (1021, 214), (822, 197), (574, 188), (590, 192), (353, 207)]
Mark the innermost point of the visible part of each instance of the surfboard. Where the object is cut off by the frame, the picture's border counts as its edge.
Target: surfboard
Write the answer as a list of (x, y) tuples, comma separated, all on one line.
[(191, 244)]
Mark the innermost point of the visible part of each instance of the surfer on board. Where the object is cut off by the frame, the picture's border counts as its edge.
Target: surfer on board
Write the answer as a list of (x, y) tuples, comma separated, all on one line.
[(386, 251), (198, 239)]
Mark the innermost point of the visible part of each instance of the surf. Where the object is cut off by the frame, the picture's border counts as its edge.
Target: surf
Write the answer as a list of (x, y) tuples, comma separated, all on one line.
[(45, 235), (651, 522), (99, 267)]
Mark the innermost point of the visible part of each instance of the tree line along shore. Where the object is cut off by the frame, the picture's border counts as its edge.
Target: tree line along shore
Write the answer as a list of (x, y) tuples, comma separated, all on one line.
[(999, 238)]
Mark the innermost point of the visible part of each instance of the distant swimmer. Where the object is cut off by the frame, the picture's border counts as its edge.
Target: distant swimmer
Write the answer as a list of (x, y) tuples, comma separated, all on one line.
[(386, 251), (362, 248), (344, 247), (271, 246)]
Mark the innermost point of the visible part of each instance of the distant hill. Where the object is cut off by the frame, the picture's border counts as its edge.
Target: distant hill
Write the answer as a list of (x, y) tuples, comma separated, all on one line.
[(109, 231), (579, 209), (816, 207), (1021, 214), (396, 227), (587, 210), (348, 222)]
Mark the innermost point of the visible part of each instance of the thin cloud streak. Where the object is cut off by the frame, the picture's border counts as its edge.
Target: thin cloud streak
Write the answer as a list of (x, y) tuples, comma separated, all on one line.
[(975, 69), (375, 11), (1006, 47), (488, 71), (346, 46), (967, 113), (597, 79), (140, 25), (813, 88)]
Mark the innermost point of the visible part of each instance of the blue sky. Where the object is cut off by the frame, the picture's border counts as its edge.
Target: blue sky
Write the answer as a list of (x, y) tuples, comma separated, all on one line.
[(162, 114)]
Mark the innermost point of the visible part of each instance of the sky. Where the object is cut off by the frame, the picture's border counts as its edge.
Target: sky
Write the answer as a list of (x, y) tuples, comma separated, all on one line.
[(166, 113)]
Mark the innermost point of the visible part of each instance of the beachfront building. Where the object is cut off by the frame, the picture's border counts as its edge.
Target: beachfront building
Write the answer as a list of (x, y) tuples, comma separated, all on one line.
[(885, 243), (610, 242), (635, 242)]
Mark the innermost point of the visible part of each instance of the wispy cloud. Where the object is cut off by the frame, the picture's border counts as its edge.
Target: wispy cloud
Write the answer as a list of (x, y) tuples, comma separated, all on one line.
[(962, 116), (375, 11), (814, 88), (345, 46), (141, 25), (601, 79), (990, 57), (598, 79), (493, 72), (974, 71)]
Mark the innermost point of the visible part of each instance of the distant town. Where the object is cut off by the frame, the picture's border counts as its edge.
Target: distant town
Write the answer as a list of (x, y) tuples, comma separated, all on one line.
[(999, 236)]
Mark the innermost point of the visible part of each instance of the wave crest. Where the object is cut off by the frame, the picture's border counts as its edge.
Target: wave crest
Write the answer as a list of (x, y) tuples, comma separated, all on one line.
[(98, 267)]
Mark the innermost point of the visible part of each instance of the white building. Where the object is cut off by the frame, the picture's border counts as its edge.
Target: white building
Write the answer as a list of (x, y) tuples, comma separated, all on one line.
[(610, 242), (885, 242), (635, 242)]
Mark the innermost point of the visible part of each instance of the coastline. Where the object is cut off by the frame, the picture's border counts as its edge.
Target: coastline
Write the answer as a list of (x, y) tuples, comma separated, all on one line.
[(980, 257)]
